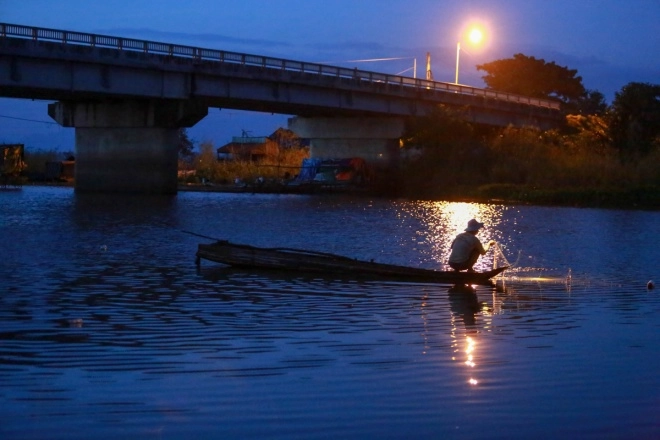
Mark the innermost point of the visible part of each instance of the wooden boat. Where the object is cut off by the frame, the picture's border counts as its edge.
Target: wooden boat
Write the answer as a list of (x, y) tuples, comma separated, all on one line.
[(246, 256)]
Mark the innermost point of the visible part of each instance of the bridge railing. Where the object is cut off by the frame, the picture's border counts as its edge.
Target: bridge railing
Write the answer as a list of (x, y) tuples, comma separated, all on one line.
[(221, 56)]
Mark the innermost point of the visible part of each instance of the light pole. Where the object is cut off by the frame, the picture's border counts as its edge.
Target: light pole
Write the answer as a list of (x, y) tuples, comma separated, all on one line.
[(475, 36), (458, 54)]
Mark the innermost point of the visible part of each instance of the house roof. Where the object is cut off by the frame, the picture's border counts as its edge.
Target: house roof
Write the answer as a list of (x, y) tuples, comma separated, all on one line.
[(243, 148), (247, 145)]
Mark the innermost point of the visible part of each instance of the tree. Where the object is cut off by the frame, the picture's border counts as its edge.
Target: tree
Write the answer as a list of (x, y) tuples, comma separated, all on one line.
[(588, 132), (591, 103), (186, 145), (443, 127), (533, 77), (635, 118)]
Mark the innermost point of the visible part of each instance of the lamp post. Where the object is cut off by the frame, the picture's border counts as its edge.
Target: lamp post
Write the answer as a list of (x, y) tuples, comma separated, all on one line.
[(475, 36), (458, 54)]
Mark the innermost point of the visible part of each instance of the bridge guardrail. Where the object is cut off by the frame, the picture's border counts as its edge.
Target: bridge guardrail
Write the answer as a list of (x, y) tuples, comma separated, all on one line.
[(221, 56)]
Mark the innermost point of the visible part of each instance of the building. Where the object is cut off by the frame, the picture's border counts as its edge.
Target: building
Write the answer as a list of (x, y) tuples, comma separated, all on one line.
[(63, 171), (12, 164), (12, 159), (255, 149)]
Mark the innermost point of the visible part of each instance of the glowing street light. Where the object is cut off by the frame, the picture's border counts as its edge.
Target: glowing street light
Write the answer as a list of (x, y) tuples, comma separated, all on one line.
[(475, 36)]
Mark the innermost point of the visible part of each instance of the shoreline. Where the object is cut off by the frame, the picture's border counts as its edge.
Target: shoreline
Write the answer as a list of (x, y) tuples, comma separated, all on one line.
[(640, 198), (644, 198)]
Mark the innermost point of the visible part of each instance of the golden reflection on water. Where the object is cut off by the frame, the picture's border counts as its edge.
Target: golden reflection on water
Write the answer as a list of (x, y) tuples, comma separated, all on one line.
[(470, 317), (439, 223), (466, 312), (442, 221), (469, 350), (464, 347)]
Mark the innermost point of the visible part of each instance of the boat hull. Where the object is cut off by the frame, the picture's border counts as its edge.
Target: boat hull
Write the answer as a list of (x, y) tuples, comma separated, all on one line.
[(245, 256)]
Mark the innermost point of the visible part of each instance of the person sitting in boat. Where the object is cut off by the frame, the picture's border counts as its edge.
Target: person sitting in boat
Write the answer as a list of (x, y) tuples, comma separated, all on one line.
[(467, 248)]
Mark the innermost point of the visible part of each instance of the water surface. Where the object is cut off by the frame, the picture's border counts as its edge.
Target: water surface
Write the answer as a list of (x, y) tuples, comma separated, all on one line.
[(109, 330)]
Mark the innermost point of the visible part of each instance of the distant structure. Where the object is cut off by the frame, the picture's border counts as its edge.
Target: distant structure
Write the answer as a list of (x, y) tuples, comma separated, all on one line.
[(63, 170), (429, 73), (12, 164), (254, 149)]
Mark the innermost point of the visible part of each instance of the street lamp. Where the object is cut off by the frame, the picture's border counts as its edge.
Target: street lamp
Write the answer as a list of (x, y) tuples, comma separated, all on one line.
[(458, 54), (475, 36)]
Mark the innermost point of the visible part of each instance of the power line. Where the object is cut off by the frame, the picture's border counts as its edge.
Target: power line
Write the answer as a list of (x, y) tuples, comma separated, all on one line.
[(366, 61), (28, 120)]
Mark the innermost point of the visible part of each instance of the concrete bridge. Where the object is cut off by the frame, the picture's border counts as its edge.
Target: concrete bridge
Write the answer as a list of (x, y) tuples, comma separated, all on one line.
[(127, 99)]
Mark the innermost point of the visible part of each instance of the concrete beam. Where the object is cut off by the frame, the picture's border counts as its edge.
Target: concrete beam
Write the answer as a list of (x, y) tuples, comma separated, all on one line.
[(126, 146), (127, 113), (375, 139)]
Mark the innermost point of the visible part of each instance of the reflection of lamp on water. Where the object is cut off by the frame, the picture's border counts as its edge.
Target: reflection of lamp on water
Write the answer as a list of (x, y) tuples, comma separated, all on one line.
[(475, 36), (470, 358), (465, 304)]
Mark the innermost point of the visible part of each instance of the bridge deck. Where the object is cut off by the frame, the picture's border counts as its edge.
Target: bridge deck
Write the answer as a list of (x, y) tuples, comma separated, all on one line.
[(166, 54)]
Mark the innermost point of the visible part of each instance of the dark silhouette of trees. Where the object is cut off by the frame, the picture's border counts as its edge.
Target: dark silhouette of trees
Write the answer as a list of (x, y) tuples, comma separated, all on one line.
[(186, 145), (442, 127), (533, 77), (635, 118), (591, 103)]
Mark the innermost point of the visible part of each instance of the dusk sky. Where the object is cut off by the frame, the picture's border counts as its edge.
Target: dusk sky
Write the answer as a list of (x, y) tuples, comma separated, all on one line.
[(609, 42)]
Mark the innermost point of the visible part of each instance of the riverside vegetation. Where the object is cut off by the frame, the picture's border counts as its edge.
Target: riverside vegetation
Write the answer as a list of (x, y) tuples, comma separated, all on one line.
[(577, 165), (205, 167)]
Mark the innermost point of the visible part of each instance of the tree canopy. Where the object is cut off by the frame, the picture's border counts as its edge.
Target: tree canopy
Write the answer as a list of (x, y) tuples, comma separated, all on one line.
[(533, 77), (635, 118), (186, 145), (591, 103)]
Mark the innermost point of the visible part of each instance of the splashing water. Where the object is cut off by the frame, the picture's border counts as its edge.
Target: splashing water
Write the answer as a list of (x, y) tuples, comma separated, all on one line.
[(500, 257)]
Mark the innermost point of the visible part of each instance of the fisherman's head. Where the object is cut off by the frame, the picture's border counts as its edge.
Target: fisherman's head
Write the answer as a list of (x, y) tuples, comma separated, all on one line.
[(473, 226)]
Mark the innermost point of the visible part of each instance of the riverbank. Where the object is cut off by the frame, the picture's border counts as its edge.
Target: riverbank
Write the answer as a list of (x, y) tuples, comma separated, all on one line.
[(645, 198), (642, 198)]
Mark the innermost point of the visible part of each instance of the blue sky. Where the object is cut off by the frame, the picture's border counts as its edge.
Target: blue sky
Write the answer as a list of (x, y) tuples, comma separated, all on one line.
[(609, 42)]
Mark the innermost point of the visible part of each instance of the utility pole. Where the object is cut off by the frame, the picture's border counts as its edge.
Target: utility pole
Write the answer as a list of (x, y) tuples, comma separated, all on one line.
[(429, 74)]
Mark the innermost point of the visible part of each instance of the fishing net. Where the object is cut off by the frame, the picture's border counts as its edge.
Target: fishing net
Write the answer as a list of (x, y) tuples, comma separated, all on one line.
[(500, 260)]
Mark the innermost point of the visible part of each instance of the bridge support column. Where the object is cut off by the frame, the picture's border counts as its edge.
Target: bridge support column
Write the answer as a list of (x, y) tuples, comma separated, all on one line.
[(126, 146), (375, 139)]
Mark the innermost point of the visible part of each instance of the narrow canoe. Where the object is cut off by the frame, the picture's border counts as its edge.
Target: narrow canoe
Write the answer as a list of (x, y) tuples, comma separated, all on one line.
[(251, 257)]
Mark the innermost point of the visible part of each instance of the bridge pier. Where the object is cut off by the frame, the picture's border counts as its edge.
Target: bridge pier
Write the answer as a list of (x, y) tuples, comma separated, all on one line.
[(375, 139), (127, 146)]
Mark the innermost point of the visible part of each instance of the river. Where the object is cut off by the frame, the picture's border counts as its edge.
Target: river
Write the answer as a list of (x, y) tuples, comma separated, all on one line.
[(109, 330)]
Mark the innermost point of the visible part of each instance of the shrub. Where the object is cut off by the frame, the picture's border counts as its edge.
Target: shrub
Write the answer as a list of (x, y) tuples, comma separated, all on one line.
[(273, 167)]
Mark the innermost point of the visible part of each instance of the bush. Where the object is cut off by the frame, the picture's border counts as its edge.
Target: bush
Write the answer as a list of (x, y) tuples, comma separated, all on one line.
[(272, 167), (578, 166)]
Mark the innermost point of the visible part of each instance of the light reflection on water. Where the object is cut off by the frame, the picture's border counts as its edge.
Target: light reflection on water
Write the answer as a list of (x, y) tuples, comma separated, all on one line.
[(107, 328), (440, 222)]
